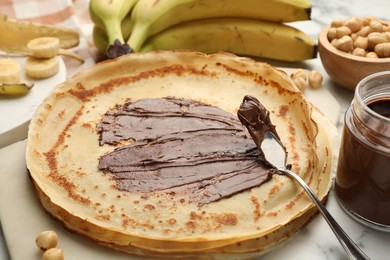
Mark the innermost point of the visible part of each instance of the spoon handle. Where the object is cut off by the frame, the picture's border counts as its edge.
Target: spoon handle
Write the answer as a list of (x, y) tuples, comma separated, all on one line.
[(353, 251)]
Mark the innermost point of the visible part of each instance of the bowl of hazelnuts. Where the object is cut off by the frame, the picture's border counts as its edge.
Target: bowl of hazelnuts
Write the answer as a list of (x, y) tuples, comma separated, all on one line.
[(351, 49)]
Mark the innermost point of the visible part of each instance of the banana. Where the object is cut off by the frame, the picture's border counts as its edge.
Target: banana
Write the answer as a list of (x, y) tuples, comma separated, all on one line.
[(125, 28), (99, 31), (9, 71), (41, 68), (242, 36), (99, 38), (151, 17), (109, 15), (48, 47), (15, 34), (15, 89)]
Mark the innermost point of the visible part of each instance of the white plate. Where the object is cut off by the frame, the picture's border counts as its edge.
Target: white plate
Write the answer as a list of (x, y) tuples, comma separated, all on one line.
[(15, 113)]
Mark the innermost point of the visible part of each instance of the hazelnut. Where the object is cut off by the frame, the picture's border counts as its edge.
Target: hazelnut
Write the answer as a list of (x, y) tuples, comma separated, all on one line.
[(354, 24), (375, 26), (300, 83), (342, 31), (364, 31), (361, 42), (315, 79), (337, 22), (299, 73), (344, 44), (332, 34), (383, 50), (53, 254), (371, 54), (359, 52), (46, 240), (387, 35), (367, 20), (376, 38)]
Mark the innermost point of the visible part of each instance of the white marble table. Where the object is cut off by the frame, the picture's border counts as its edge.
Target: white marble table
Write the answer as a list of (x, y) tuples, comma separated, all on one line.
[(316, 240)]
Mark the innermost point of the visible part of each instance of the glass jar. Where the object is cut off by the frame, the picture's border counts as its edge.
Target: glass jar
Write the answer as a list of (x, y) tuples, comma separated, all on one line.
[(363, 173)]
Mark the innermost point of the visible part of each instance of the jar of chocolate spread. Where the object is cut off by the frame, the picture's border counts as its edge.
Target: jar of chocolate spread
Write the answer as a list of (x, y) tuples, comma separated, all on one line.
[(363, 172)]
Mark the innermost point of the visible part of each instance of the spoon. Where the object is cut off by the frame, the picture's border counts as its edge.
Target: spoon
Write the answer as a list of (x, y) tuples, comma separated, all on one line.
[(276, 156)]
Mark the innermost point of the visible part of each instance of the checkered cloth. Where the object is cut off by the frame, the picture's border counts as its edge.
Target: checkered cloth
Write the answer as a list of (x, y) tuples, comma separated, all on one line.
[(68, 13)]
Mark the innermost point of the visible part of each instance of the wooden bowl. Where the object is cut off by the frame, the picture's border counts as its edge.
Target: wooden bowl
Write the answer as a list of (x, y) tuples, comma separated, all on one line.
[(344, 68)]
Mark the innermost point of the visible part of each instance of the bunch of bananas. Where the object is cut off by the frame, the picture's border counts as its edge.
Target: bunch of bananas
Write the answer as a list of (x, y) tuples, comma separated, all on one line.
[(248, 27)]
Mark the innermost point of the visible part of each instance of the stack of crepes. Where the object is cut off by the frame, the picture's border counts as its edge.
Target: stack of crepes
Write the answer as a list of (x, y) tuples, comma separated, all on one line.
[(63, 153)]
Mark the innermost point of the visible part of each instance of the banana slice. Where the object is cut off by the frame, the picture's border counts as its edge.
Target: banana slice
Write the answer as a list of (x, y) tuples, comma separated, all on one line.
[(9, 71), (44, 47), (48, 47), (15, 89), (41, 68)]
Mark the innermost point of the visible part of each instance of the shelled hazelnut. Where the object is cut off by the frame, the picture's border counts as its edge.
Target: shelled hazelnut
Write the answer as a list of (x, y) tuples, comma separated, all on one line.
[(315, 79), (46, 240), (53, 254)]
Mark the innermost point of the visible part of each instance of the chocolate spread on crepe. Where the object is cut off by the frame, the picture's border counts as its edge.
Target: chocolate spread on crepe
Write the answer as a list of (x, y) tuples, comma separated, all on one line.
[(185, 143)]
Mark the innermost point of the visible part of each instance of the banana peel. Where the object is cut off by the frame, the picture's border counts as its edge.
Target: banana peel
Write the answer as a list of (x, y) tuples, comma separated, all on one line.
[(15, 34), (15, 89)]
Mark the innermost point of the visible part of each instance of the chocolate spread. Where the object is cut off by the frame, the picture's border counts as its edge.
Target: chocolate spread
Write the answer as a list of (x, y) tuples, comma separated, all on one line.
[(381, 107), (363, 174), (181, 143), (255, 117)]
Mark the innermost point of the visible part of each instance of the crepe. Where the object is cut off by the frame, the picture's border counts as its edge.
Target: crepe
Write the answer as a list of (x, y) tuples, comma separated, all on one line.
[(63, 152)]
